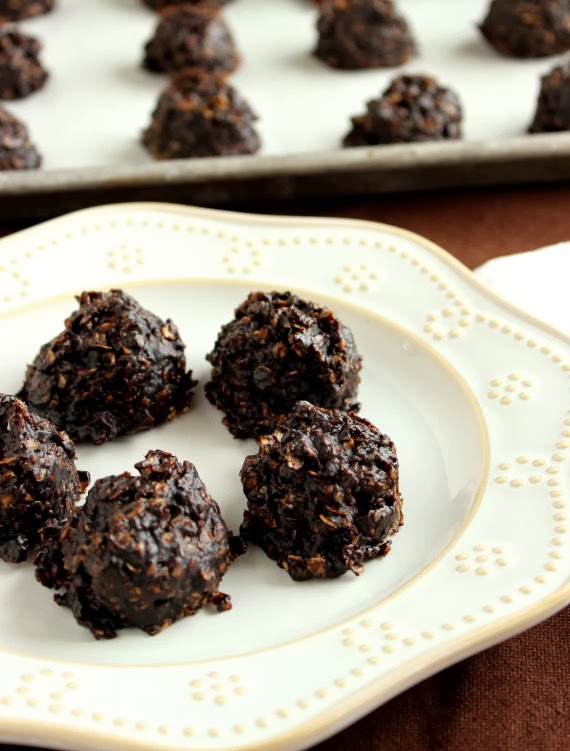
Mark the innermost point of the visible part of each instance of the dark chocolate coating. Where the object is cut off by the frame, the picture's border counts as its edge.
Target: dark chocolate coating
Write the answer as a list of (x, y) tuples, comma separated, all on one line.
[(39, 484), (142, 551), (553, 106), (528, 28), (162, 4), (21, 72), (200, 116), (115, 369), (16, 149), (191, 37), (413, 108), (16, 10), (277, 350), (363, 34), (322, 493)]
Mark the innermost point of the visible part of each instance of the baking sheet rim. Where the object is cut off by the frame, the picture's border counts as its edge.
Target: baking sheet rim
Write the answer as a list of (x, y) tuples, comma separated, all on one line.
[(538, 148)]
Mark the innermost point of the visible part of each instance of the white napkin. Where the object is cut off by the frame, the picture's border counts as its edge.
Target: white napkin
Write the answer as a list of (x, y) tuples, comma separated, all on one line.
[(538, 281)]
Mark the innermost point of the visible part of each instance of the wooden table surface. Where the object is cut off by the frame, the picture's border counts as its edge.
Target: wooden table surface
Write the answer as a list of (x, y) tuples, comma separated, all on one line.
[(514, 696)]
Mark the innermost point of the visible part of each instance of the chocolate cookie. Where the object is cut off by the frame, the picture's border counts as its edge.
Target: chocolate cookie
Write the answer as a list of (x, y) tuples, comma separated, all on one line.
[(553, 106), (200, 115), (115, 369), (39, 483), (16, 10), (363, 34), (277, 350), (322, 493), (142, 551), (528, 28), (191, 37), (16, 149), (413, 108), (21, 72)]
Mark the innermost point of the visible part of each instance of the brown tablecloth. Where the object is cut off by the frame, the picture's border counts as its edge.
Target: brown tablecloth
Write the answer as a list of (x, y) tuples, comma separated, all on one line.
[(515, 696)]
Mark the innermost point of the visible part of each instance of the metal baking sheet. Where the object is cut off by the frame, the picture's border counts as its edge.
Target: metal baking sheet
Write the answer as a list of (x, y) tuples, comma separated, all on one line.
[(88, 120)]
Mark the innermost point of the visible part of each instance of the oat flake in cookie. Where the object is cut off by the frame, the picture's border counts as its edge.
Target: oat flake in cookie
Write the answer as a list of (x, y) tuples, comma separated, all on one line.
[(16, 149), (199, 115), (16, 10), (322, 493), (191, 37), (115, 369), (277, 350), (528, 28), (143, 551), (553, 106), (21, 72), (363, 34), (413, 108), (39, 483)]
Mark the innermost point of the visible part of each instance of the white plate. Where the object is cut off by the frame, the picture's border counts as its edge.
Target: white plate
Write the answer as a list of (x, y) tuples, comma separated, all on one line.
[(474, 394)]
